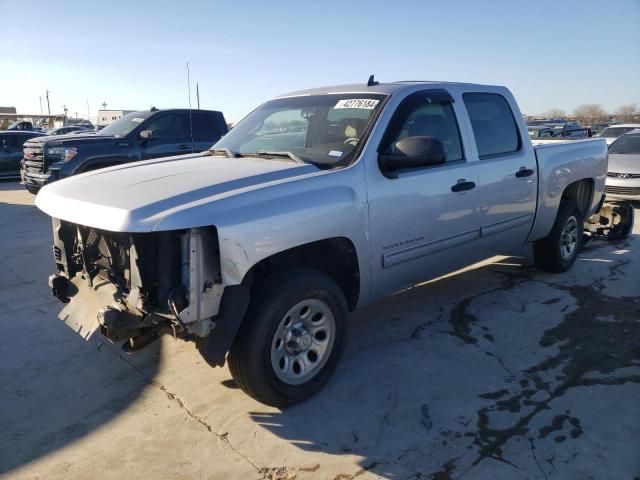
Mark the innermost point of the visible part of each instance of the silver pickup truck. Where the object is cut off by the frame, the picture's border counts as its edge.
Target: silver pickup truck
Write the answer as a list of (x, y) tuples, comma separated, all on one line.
[(317, 203)]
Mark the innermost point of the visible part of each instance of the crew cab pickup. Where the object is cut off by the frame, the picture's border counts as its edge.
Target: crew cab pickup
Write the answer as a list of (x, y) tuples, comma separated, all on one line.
[(136, 136), (317, 203)]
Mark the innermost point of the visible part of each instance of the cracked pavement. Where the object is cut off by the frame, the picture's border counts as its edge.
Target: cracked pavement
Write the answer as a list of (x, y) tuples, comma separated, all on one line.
[(498, 371)]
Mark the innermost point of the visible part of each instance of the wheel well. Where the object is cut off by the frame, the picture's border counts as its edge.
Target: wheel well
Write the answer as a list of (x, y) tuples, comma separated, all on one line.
[(581, 192), (336, 257)]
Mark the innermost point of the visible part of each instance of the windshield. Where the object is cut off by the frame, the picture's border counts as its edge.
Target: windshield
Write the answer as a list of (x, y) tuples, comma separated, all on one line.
[(125, 125), (615, 132), (626, 144), (323, 129)]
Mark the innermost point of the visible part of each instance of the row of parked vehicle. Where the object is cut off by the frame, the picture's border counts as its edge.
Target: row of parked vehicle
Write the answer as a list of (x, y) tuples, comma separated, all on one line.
[(39, 158), (317, 203)]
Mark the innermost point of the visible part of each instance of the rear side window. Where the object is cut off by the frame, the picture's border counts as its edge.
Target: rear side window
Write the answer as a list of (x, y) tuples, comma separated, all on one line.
[(494, 126), (206, 127)]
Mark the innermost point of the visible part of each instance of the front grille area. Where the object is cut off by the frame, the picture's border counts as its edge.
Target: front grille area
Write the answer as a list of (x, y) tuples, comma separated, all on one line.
[(106, 254), (622, 190), (34, 159), (626, 175)]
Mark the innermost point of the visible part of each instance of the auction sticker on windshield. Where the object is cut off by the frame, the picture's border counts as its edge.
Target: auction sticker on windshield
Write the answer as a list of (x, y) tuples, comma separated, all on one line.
[(365, 103)]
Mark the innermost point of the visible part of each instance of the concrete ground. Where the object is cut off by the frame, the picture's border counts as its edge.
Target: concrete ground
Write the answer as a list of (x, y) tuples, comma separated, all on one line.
[(498, 372)]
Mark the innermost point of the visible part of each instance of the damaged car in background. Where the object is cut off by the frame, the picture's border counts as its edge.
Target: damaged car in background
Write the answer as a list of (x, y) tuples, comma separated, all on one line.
[(317, 203)]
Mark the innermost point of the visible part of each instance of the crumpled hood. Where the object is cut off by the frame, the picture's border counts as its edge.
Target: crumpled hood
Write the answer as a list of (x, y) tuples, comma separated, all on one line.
[(135, 197), (624, 163)]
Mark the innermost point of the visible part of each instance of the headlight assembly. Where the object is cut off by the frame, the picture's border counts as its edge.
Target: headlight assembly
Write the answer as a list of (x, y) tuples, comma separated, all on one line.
[(63, 153)]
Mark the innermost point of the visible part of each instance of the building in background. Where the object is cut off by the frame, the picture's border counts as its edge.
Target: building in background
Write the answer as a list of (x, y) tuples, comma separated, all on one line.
[(105, 117)]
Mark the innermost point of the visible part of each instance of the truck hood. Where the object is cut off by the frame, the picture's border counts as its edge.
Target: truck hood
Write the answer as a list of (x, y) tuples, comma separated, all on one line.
[(74, 140), (136, 197), (624, 163)]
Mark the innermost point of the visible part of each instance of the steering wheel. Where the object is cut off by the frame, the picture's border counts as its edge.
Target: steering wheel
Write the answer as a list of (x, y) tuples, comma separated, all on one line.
[(352, 141)]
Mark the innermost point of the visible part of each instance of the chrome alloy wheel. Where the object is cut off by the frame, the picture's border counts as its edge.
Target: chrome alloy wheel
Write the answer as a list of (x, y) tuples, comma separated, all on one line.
[(303, 341), (569, 238)]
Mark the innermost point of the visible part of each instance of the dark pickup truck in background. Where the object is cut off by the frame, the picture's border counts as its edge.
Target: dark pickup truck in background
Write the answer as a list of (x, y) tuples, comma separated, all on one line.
[(136, 136)]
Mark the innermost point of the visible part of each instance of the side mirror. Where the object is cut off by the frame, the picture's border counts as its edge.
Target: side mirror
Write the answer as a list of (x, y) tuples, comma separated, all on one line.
[(414, 152), (146, 135)]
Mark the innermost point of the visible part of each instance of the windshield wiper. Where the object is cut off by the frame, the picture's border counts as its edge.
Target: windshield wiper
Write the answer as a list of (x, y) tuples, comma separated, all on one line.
[(291, 155), (225, 151)]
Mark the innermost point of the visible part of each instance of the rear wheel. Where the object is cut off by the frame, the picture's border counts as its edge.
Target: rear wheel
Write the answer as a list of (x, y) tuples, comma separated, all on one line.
[(558, 251), (291, 338)]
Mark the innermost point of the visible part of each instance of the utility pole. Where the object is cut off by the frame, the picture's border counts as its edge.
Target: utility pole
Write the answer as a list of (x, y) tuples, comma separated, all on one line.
[(198, 95), (88, 112), (40, 97), (48, 105), (64, 122)]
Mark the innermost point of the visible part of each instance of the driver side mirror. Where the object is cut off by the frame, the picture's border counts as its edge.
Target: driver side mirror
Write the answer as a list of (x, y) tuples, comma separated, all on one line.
[(414, 152), (146, 135)]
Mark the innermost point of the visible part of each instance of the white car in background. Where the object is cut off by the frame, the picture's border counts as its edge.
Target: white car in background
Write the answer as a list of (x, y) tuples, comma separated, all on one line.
[(611, 133), (623, 178)]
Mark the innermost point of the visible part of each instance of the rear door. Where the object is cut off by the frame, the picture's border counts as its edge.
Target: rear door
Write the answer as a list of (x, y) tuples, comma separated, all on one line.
[(420, 225), (507, 170), (206, 130), (169, 135)]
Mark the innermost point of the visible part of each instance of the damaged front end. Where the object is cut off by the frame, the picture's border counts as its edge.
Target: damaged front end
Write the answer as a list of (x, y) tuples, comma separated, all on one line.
[(137, 286)]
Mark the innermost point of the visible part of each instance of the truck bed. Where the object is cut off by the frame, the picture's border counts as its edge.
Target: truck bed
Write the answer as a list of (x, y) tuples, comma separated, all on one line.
[(561, 163)]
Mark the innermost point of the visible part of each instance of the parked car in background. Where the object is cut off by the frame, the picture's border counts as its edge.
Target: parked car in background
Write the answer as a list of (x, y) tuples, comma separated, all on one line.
[(541, 131), (596, 128), (21, 125), (136, 136), (569, 130), (610, 134), (11, 151), (623, 179), (317, 203), (65, 130)]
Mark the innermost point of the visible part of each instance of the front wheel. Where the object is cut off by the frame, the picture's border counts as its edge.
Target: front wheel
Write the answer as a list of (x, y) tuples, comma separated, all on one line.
[(558, 251), (291, 338)]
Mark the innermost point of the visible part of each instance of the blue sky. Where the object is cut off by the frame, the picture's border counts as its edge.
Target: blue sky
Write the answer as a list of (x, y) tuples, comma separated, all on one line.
[(132, 54)]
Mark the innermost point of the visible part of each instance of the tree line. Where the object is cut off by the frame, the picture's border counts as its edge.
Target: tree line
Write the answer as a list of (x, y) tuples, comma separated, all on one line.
[(591, 113)]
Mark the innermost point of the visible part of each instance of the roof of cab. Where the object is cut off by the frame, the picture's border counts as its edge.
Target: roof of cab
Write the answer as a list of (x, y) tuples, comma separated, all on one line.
[(382, 88)]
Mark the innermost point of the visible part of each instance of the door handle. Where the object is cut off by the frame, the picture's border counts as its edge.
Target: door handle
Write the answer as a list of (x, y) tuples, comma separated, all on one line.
[(184, 146), (463, 186), (524, 172)]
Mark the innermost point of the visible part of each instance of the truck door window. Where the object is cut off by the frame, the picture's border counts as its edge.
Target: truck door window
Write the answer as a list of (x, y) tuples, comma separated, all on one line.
[(420, 117), (205, 127), (169, 127), (494, 126)]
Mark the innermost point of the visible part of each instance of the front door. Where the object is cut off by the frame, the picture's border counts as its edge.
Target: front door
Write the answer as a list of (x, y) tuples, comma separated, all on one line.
[(169, 136), (423, 221)]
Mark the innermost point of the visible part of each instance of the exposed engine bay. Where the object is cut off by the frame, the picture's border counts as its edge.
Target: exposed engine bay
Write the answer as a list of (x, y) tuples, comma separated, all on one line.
[(137, 286)]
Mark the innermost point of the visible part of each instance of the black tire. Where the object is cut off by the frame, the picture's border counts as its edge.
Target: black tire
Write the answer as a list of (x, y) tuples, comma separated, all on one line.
[(625, 225), (547, 251), (250, 356), (33, 191)]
